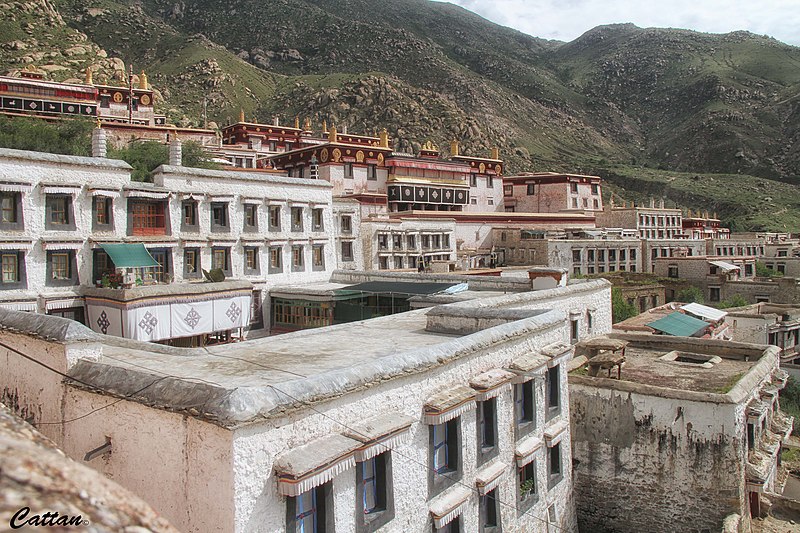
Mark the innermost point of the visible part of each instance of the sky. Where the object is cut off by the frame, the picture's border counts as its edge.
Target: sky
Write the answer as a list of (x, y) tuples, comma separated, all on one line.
[(566, 20)]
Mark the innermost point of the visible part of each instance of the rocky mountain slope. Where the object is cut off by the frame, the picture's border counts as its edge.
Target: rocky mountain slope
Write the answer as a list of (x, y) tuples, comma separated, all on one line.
[(617, 97)]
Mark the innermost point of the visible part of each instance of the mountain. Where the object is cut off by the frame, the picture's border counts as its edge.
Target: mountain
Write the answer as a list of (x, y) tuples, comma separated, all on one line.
[(617, 99)]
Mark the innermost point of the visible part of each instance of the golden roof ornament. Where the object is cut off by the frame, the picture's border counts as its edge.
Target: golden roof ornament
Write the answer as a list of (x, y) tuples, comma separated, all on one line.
[(453, 147), (143, 85), (495, 152), (332, 135), (324, 126), (89, 76), (384, 138), (307, 124), (241, 115), (296, 122)]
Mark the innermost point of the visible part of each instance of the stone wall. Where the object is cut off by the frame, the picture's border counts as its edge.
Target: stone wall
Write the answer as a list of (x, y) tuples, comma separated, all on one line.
[(645, 463)]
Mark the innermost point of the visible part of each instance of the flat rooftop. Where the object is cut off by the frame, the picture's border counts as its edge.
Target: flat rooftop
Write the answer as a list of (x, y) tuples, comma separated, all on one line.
[(643, 365), (681, 364)]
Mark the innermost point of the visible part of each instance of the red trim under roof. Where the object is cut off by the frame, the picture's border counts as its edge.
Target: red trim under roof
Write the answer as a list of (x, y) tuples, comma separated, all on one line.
[(427, 165)]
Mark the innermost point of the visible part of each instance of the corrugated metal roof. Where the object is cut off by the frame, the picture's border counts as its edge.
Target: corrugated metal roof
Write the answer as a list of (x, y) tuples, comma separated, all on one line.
[(704, 311), (399, 287), (724, 265), (679, 325)]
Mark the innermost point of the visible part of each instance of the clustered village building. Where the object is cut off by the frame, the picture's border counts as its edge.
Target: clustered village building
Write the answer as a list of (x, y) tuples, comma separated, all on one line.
[(163, 308)]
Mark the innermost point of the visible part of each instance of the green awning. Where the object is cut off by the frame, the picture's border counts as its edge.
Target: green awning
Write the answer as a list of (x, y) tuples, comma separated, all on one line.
[(679, 325), (129, 255)]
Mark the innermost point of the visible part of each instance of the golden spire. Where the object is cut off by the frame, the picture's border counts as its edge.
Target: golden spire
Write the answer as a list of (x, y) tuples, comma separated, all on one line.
[(332, 134), (89, 77), (689, 214), (453, 148), (495, 152), (241, 115), (324, 126), (307, 124), (143, 81), (384, 138), (296, 122)]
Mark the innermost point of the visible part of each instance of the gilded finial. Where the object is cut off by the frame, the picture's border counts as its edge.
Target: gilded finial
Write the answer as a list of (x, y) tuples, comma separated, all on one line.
[(143, 85), (241, 115), (307, 124), (495, 152), (89, 76), (324, 126), (453, 147), (296, 122), (332, 137), (384, 138)]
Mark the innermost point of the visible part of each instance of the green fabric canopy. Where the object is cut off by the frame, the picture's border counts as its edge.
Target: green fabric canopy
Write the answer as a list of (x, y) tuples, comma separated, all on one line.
[(129, 255), (679, 325)]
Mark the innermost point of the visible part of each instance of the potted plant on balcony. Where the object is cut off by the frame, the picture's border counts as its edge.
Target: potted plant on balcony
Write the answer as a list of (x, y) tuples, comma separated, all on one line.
[(526, 489)]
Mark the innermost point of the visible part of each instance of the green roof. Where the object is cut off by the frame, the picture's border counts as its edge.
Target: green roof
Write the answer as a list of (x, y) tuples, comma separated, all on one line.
[(129, 255), (679, 325)]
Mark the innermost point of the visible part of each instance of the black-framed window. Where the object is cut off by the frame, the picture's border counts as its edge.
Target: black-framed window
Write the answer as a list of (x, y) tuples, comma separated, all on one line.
[(318, 257), (11, 211), (192, 267), (372, 172), (553, 391), (297, 219), (489, 513), (189, 220), (374, 500), (221, 258), (250, 217), (445, 455), (311, 511), (12, 270), (347, 224), (219, 216), (555, 472), (348, 171), (453, 526), (102, 213), (275, 259), (62, 268), (316, 220), (251, 263), (298, 261), (573, 187), (274, 218), (574, 325), (347, 250), (59, 214), (531, 189), (411, 241), (161, 273), (524, 407), (101, 264), (527, 487), (487, 429)]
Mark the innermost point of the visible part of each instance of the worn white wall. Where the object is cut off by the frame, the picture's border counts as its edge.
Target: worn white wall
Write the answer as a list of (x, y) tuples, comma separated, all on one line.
[(668, 460), (260, 508), (35, 168), (178, 464)]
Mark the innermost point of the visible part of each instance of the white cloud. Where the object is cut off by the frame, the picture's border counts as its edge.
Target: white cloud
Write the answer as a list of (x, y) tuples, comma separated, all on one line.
[(567, 19)]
